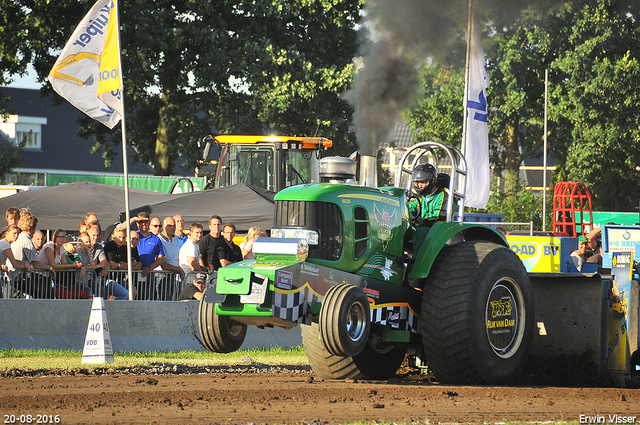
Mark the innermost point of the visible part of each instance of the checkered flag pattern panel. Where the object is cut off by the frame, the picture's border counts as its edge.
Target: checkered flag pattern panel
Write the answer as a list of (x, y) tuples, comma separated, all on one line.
[(399, 317), (293, 306)]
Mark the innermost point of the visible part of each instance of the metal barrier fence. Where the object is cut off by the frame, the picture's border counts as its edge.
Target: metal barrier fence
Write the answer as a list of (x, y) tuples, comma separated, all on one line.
[(68, 284)]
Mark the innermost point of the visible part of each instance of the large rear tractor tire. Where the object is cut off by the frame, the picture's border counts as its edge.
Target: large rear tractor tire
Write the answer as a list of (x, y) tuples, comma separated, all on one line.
[(477, 317), (375, 361), (344, 320), (220, 334)]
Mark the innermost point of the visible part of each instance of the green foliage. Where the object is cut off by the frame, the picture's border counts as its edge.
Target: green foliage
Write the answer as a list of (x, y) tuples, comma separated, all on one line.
[(598, 93), (34, 359), (194, 67), (438, 113), (10, 157), (592, 51), (517, 204)]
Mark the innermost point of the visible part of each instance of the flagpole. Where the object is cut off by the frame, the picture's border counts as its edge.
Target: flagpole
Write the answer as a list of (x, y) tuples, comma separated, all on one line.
[(465, 100), (125, 163), (544, 160)]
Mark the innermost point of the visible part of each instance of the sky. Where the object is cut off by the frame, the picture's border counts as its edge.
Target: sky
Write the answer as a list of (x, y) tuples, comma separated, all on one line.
[(28, 81)]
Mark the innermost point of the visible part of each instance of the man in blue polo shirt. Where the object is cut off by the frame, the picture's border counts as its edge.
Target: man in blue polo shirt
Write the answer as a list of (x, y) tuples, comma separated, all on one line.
[(150, 251)]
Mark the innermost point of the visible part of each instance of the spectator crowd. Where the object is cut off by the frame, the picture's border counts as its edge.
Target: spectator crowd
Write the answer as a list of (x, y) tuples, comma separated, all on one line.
[(168, 261)]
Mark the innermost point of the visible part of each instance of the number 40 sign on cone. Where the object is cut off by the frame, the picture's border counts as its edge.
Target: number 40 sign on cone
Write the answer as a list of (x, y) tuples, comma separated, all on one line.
[(97, 343)]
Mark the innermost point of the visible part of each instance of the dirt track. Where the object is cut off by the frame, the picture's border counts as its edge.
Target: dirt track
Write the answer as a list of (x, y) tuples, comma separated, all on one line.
[(250, 394)]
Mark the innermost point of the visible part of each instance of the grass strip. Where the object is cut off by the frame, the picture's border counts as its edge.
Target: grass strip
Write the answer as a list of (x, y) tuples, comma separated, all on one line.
[(44, 358)]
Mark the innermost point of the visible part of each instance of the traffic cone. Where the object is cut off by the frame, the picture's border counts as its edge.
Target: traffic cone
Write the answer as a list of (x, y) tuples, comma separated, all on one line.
[(97, 343)]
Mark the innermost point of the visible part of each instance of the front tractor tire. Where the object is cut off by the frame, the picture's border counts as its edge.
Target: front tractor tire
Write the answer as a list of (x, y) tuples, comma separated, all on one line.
[(220, 334), (344, 320), (375, 361), (477, 317)]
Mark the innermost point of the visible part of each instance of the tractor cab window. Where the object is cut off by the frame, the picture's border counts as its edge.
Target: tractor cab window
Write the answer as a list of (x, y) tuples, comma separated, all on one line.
[(303, 166), (253, 166)]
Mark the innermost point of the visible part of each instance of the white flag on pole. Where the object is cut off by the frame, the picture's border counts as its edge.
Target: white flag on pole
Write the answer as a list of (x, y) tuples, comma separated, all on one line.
[(76, 74), (477, 131)]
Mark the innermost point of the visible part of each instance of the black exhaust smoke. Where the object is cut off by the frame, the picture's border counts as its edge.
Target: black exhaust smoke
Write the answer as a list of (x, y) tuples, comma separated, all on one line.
[(403, 35)]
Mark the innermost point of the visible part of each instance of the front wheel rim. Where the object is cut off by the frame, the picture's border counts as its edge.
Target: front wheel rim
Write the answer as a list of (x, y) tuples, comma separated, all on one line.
[(356, 322)]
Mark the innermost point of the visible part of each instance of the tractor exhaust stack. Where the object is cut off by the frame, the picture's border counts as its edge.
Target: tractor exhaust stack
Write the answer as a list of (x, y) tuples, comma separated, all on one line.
[(368, 171)]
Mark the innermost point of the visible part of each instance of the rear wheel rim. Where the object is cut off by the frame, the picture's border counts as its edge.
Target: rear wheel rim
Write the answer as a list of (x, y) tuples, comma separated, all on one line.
[(505, 318)]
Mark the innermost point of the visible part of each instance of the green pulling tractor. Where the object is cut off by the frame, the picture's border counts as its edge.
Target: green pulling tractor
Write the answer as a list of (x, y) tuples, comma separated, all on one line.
[(340, 265)]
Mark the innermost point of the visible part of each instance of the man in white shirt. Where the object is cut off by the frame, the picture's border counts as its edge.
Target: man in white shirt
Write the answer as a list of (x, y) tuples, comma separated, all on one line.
[(36, 285), (190, 251)]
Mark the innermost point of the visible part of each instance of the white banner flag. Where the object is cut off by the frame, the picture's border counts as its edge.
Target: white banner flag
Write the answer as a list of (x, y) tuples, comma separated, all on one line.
[(477, 131), (76, 73)]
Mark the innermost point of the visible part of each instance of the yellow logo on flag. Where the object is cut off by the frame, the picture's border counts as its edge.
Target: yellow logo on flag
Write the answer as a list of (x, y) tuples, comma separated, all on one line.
[(110, 79)]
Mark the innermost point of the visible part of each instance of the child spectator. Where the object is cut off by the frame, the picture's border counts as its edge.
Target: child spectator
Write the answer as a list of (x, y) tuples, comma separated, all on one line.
[(247, 245)]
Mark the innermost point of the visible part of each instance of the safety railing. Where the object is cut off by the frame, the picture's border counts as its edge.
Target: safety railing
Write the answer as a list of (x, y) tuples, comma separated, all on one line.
[(70, 284)]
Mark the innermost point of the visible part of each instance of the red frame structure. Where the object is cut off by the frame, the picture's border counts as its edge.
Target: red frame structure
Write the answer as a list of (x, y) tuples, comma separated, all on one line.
[(571, 200)]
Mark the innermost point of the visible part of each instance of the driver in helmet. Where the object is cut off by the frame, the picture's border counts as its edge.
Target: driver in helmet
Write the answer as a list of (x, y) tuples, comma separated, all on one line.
[(427, 200), (425, 204)]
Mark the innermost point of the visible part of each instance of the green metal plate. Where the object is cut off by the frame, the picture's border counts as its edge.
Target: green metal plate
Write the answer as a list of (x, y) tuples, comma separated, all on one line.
[(232, 280)]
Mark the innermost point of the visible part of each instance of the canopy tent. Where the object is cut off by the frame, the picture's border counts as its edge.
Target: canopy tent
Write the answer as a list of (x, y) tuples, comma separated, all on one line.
[(64, 206), (241, 204)]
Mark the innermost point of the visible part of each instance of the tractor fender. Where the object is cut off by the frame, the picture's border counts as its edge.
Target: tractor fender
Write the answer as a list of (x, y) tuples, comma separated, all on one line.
[(450, 233)]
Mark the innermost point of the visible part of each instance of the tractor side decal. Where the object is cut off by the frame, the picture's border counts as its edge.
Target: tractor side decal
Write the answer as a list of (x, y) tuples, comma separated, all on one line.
[(386, 223)]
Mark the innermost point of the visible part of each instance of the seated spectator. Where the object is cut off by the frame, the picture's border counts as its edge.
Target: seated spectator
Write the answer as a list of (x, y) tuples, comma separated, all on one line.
[(595, 244), (71, 257), (149, 246), (580, 255), (194, 291), (24, 250), (165, 283), (82, 227), (96, 224), (97, 254), (228, 252), (24, 212), (208, 244), (89, 264), (52, 252), (180, 233), (134, 239), (247, 244), (70, 252), (38, 241), (151, 253), (6, 254), (189, 256), (171, 246), (116, 251), (90, 216), (155, 227), (13, 218)]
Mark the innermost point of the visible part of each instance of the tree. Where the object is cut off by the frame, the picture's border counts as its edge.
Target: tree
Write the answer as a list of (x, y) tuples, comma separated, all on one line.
[(10, 156), (196, 66), (438, 112), (306, 62), (514, 97), (597, 91), (591, 49)]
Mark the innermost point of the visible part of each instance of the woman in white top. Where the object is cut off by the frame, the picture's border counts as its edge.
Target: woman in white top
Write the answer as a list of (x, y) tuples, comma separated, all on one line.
[(247, 245), (6, 255), (52, 252)]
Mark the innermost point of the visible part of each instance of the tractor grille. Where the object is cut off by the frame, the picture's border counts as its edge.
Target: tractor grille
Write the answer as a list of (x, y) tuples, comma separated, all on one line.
[(324, 217)]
